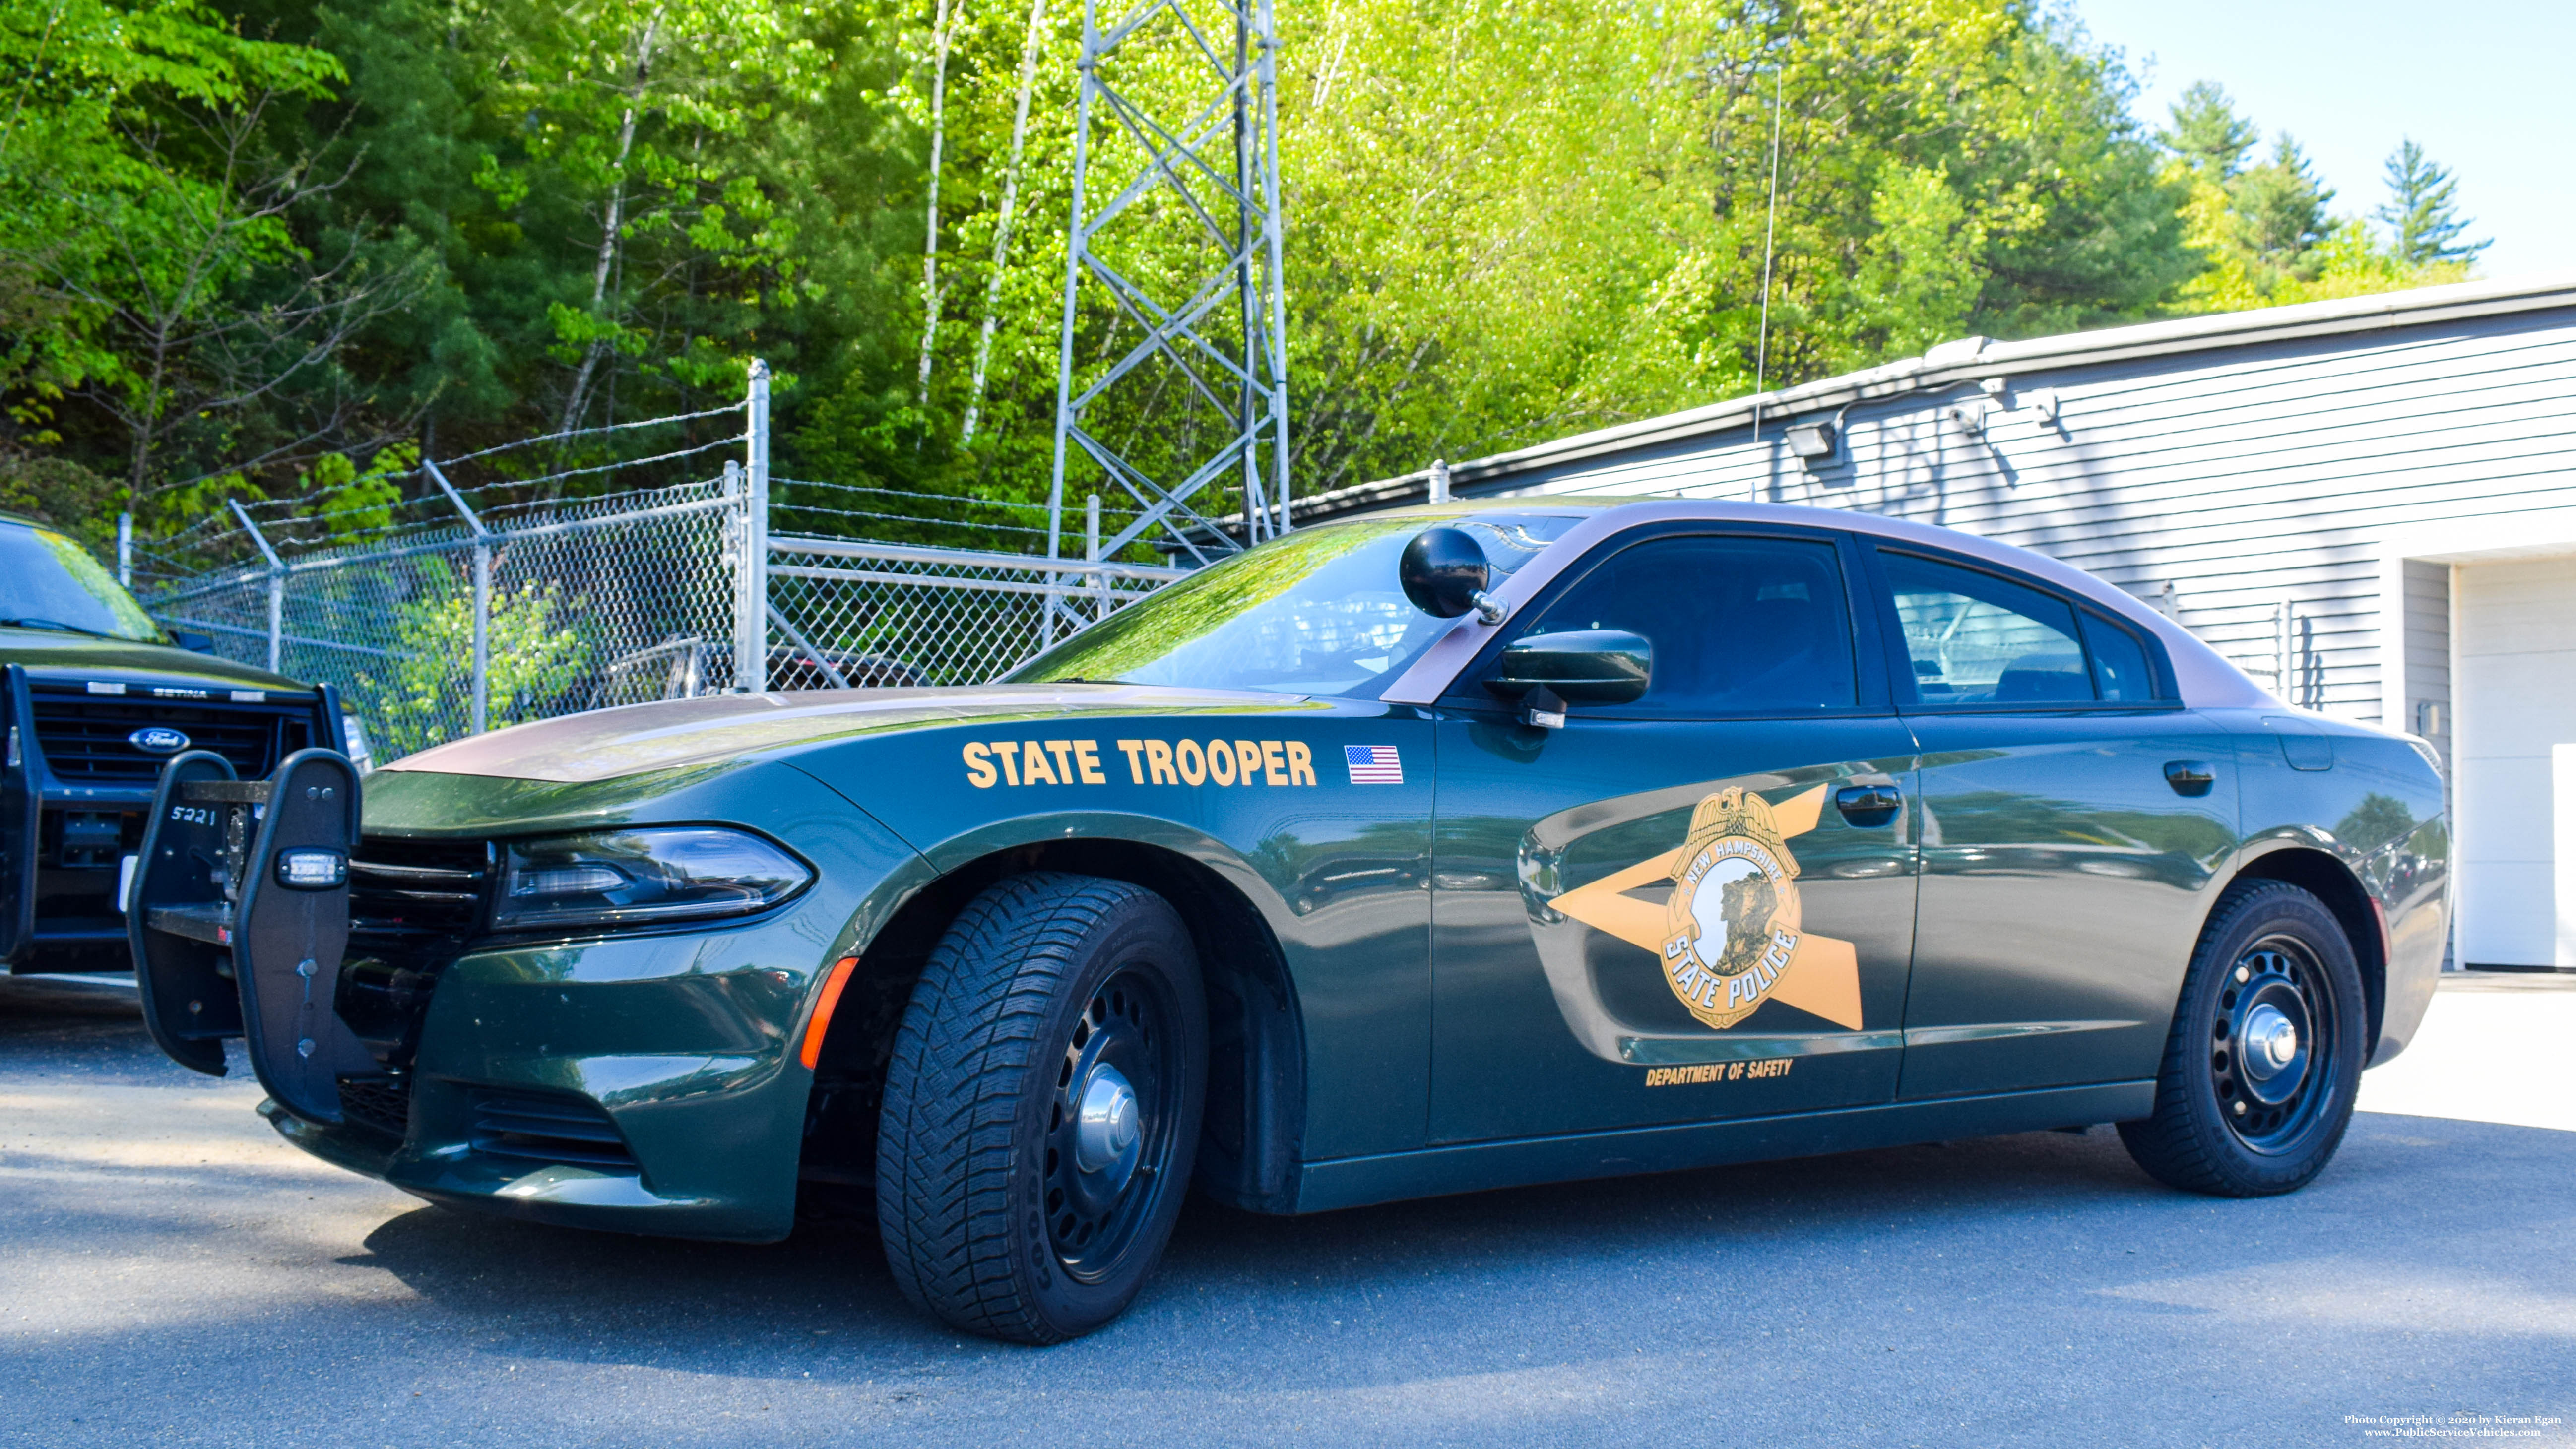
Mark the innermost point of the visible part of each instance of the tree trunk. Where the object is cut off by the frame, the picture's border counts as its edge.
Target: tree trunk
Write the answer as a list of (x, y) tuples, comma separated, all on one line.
[(1002, 224), (616, 218), (943, 31)]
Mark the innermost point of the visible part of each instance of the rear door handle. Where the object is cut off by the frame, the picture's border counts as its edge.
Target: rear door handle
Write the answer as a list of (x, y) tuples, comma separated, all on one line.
[(1869, 805), (2190, 777)]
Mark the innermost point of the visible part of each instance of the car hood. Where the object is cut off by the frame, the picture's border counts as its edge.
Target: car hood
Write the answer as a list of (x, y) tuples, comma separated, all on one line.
[(47, 653), (609, 743)]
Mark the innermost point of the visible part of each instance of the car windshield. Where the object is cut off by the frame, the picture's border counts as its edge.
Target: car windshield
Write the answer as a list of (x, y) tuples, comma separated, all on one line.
[(1317, 612), (49, 582)]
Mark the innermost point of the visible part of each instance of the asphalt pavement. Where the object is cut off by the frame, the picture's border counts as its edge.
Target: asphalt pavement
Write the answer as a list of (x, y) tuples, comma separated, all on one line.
[(170, 1272)]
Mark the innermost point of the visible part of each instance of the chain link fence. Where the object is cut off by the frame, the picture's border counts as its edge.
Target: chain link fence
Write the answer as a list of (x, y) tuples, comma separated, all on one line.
[(858, 613), (546, 610), (466, 610)]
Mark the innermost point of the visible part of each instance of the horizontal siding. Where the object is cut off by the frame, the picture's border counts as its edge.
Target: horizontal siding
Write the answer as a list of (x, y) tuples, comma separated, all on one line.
[(2235, 478)]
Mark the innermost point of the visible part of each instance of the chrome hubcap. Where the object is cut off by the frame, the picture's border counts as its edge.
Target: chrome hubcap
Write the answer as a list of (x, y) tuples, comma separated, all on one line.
[(2271, 1042), (1106, 1140)]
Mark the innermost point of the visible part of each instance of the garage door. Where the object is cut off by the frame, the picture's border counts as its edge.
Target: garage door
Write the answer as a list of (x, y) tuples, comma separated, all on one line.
[(2514, 685)]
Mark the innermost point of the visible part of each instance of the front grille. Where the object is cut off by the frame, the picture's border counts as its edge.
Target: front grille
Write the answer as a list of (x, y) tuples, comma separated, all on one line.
[(85, 737), (384, 1105), (415, 891), (548, 1129)]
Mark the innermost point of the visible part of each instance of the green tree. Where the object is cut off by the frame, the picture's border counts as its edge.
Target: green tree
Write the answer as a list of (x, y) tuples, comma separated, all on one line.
[(2207, 133), (2423, 210), (145, 232), (2267, 231)]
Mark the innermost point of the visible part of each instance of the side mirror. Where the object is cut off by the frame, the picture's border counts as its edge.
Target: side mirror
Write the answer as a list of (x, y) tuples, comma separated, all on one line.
[(192, 641), (1445, 574), (1600, 666)]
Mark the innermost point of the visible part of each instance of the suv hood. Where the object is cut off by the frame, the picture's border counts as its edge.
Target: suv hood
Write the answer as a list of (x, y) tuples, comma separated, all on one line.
[(48, 654), (635, 738)]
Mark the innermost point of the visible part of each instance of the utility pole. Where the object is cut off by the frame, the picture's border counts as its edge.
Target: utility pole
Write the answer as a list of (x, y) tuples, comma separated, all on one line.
[(1196, 179)]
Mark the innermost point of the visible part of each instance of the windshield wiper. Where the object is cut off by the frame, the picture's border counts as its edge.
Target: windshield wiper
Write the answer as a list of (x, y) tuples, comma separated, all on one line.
[(60, 627)]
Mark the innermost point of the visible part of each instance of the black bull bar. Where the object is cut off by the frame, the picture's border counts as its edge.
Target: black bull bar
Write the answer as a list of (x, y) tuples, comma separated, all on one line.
[(239, 917)]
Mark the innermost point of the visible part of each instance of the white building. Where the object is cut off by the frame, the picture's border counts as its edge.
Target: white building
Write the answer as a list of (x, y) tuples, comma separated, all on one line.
[(2369, 504)]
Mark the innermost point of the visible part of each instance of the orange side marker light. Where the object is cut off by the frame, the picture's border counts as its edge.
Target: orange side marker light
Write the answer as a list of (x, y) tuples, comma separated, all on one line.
[(822, 1021)]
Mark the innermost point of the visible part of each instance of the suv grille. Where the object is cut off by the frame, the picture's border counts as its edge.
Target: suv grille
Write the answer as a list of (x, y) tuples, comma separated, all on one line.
[(417, 890), (84, 737), (548, 1129)]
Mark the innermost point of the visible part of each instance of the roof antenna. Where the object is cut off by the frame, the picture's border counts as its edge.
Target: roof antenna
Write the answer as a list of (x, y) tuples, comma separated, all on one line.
[(1770, 227)]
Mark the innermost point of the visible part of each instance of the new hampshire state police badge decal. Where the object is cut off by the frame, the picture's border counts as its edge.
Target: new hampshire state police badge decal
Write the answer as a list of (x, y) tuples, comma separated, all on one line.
[(1732, 922), (1732, 933)]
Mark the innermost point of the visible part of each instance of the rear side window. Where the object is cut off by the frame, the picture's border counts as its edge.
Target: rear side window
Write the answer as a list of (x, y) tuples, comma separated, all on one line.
[(2120, 671), (1973, 638)]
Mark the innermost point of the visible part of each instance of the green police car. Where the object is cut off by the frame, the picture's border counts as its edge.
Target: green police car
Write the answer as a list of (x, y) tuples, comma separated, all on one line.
[(1443, 849)]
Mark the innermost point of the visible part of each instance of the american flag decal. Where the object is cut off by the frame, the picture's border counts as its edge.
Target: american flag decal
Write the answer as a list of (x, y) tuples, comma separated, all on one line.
[(1374, 764)]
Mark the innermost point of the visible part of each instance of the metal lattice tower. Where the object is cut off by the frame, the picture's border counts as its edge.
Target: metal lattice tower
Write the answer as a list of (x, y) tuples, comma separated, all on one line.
[(1190, 378)]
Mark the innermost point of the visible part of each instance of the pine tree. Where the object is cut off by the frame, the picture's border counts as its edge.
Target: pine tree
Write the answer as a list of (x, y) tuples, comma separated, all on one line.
[(2281, 208), (2423, 209), (2208, 134)]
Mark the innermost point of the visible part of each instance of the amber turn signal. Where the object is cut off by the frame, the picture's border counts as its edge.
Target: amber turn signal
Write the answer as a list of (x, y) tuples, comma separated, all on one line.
[(822, 1021)]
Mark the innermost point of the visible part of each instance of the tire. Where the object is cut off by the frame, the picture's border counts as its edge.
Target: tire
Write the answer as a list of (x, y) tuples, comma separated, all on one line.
[(2234, 1118), (1001, 1210)]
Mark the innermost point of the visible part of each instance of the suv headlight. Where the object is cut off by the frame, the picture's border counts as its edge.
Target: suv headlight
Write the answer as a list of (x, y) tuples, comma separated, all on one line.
[(639, 877)]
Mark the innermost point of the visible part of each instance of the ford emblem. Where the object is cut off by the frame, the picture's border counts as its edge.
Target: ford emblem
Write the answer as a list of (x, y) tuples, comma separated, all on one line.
[(158, 740)]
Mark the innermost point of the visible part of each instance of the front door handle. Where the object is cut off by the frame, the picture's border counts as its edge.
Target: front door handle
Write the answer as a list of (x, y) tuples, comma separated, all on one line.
[(1869, 805), (2190, 777)]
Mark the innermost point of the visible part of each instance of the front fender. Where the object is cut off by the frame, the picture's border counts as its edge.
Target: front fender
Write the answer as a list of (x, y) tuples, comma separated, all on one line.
[(1336, 871)]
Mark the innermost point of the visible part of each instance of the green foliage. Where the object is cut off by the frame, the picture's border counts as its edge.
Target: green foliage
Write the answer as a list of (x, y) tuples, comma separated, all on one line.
[(246, 251), (2267, 230), (359, 501), (2207, 134), (62, 493), (535, 645), (2423, 210)]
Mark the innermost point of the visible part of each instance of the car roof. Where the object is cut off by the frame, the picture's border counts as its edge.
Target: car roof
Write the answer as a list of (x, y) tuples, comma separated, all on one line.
[(2206, 677)]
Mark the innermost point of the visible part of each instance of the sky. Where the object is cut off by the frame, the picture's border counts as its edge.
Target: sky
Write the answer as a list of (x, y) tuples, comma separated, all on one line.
[(2487, 87)]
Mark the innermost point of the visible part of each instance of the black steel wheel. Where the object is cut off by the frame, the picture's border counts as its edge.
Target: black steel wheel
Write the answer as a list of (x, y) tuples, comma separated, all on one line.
[(2265, 1056), (1042, 1107)]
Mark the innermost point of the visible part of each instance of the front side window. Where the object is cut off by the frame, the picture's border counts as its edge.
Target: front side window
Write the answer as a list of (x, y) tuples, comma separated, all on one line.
[(49, 582), (1321, 612), (1973, 638), (1740, 626)]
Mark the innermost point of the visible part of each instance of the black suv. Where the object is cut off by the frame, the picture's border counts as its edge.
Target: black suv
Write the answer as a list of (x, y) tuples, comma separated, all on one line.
[(96, 697)]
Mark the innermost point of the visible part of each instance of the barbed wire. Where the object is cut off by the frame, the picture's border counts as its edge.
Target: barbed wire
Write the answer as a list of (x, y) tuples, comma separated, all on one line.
[(967, 523), (731, 407), (611, 467), (776, 480), (292, 522)]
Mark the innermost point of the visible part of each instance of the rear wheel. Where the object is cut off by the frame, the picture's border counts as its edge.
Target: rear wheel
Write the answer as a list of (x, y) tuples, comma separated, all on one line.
[(2265, 1055), (1042, 1107)]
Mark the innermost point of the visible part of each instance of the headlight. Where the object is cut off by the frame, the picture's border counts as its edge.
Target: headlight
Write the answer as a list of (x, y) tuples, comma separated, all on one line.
[(637, 877)]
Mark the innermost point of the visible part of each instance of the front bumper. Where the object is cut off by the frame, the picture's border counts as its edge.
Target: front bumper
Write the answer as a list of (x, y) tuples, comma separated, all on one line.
[(669, 1057), (639, 1082)]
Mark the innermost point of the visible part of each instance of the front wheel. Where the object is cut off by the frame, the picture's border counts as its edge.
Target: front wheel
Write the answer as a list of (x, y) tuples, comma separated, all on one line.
[(1042, 1107), (2265, 1056)]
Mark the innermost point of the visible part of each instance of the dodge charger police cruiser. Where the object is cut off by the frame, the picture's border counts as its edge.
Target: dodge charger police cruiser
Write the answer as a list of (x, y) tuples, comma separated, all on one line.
[(1439, 850)]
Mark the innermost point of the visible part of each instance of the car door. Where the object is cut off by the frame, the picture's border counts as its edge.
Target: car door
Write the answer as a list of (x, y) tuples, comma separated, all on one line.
[(2074, 816), (1658, 912)]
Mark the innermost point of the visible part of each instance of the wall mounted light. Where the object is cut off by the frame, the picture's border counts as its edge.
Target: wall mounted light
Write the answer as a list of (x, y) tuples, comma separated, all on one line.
[(1813, 443)]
